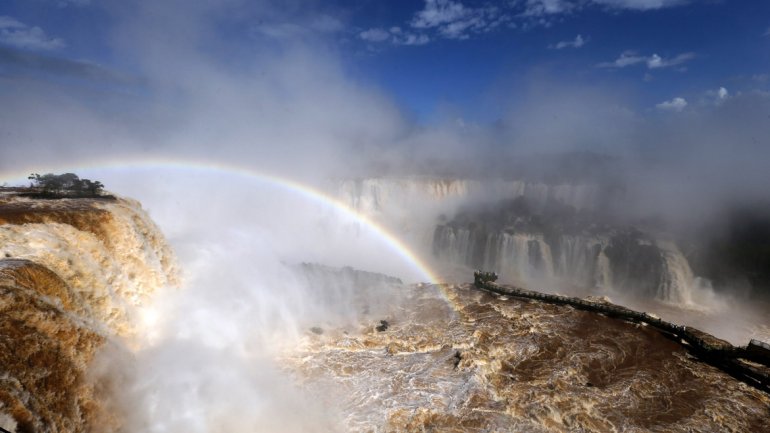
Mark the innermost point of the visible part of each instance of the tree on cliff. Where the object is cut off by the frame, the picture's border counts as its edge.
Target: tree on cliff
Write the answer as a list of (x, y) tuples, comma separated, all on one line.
[(68, 184), (92, 187)]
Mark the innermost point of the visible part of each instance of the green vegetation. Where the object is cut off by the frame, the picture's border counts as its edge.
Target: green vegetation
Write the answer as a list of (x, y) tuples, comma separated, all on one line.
[(65, 185), (480, 278)]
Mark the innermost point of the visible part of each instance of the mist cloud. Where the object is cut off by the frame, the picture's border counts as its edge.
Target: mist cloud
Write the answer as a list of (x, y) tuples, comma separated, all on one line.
[(15, 33)]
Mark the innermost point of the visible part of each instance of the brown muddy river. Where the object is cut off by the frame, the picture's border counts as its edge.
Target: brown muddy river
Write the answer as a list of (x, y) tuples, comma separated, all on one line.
[(456, 359)]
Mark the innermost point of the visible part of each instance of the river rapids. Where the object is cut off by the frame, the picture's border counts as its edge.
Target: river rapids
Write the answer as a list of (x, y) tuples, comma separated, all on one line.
[(452, 358)]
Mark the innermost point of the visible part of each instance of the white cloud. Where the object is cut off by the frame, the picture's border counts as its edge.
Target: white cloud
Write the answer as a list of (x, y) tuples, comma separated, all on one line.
[(375, 34), (438, 12), (20, 35), (717, 96), (395, 35), (453, 20), (655, 61), (677, 104), (630, 58), (578, 42), (722, 93), (438, 19), (65, 3), (640, 4), (627, 58), (410, 39), (548, 7), (458, 29), (541, 8), (767, 33), (7, 22), (292, 30)]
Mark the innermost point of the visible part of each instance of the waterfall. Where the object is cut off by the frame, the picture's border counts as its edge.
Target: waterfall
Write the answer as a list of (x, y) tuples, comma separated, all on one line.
[(511, 257), (73, 272), (633, 266), (111, 255), (411, 207), (454, 245), (579, 259), (379, 197), (603, 276), (679, 284), (525, 256), (607, 260), (522, 257)]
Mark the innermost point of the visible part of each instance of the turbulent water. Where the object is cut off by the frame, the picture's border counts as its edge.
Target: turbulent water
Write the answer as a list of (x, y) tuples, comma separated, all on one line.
[(455, 359), (72, 273), (109, 253)]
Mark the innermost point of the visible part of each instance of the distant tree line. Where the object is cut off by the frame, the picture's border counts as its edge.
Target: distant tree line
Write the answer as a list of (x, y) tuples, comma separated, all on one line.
[(67, 184)]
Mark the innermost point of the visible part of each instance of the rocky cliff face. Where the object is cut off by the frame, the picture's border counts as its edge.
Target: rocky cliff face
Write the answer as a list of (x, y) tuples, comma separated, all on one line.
[(71, 273)]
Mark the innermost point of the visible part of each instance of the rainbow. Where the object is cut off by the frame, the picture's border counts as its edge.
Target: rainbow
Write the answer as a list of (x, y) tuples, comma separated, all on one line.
[(306, 191)]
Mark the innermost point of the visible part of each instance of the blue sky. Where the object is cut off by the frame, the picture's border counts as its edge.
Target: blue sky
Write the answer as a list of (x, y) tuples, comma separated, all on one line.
[(435, 58), (700, 46)]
